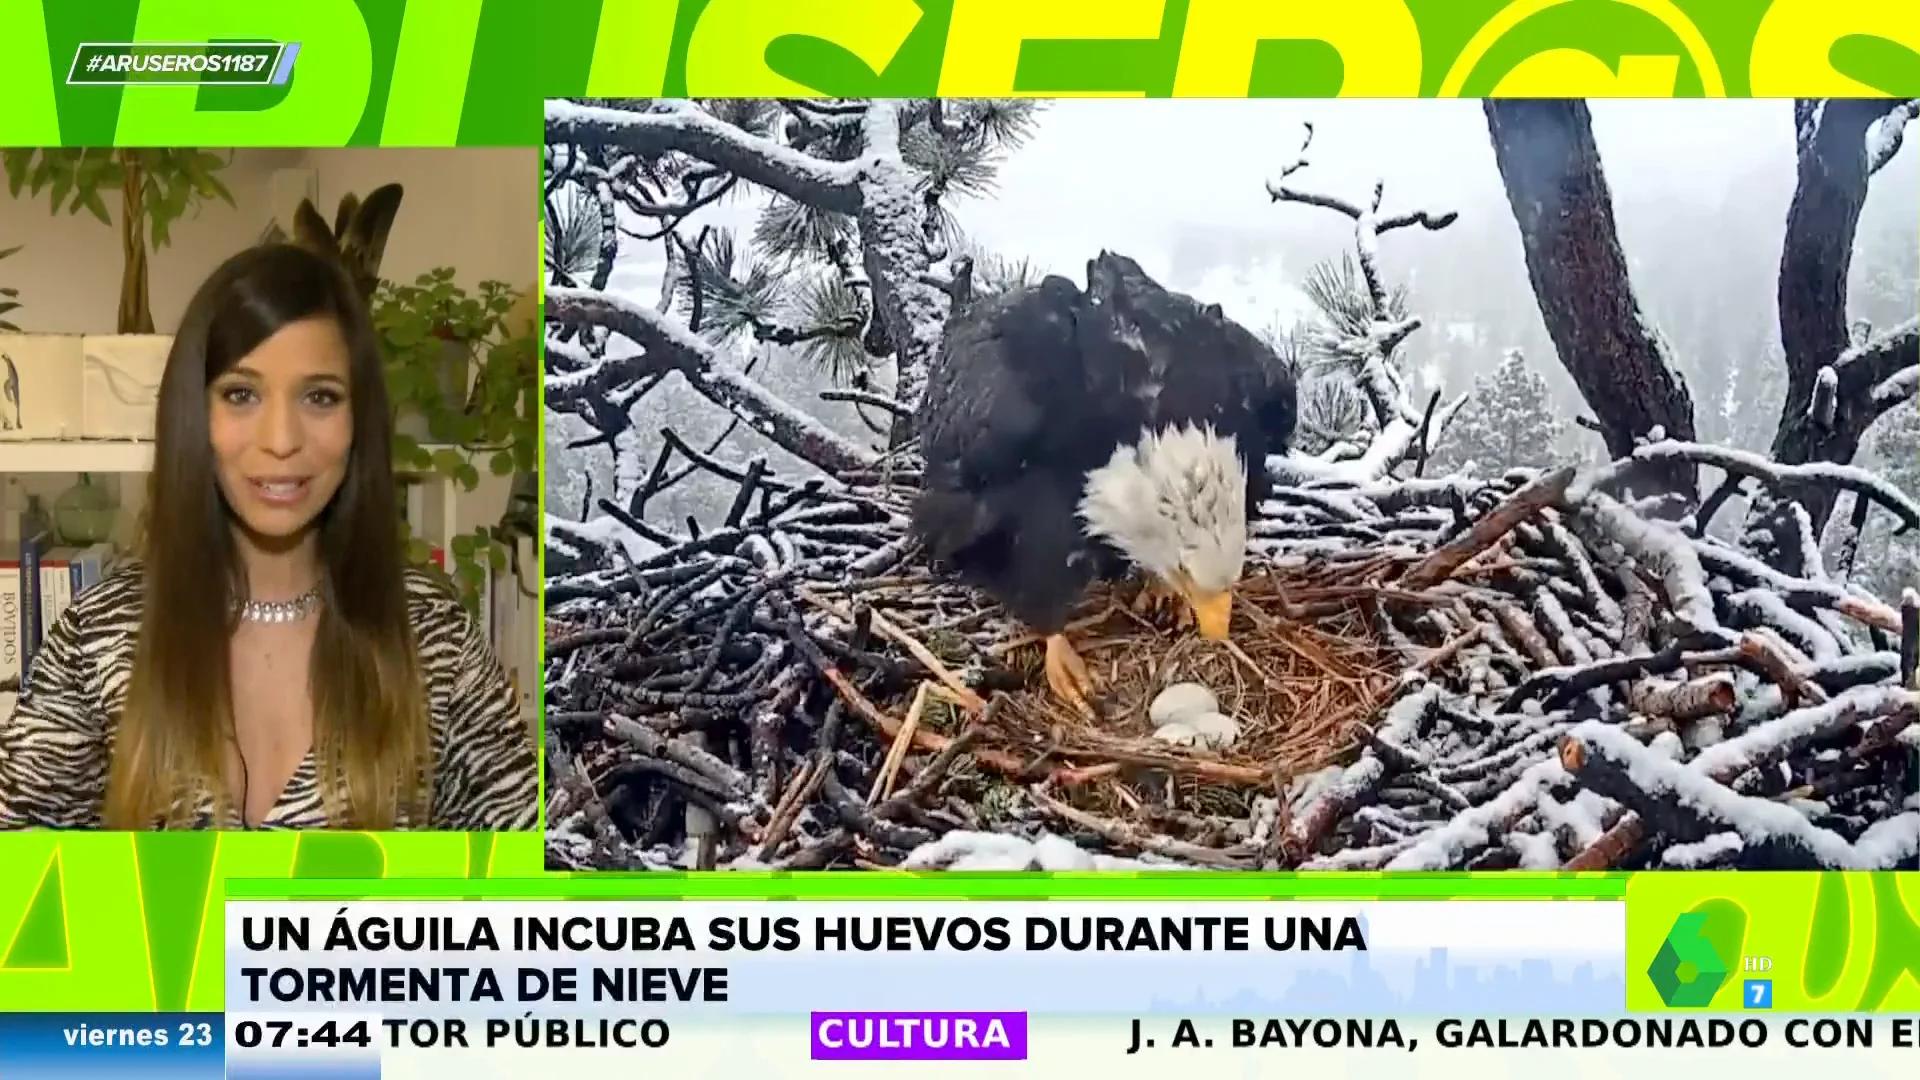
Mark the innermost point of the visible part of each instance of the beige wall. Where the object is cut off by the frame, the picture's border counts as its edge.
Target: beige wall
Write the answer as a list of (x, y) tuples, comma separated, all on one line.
[(473, 210)]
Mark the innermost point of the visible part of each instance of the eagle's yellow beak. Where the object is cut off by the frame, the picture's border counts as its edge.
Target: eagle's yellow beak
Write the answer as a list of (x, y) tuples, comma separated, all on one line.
[(1212, 611)]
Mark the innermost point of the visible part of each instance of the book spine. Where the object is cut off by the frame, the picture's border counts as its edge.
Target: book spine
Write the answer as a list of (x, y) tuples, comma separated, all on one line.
[(30, 604), (9, 632), (56, 592)]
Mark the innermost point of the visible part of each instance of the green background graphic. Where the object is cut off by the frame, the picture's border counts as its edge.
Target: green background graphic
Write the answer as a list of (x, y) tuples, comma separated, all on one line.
[(118, 922), (370, 73), (1382, 48), (131, 922)]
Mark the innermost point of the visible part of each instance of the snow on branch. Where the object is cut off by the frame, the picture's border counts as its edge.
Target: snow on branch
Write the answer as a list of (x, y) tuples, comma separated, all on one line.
[(1691, 807), (1391, 445), (1885, 361), (898, 246), (1897, 387), (1887, 133), (1404, 429), (1368, 224), (1745, 463), (1664, 551), (668, 126), (1431, 220), (669, 345)]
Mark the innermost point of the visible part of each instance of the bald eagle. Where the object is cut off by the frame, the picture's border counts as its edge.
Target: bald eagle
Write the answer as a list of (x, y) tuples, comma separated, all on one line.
[(1070, 435)]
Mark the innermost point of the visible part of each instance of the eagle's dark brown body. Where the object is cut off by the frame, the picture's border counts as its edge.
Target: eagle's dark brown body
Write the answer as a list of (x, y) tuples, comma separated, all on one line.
[(1033, 389)]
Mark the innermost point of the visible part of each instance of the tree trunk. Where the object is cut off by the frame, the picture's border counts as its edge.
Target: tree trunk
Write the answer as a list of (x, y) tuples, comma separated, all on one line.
[(1821, 221), (1551, 168), (136, 314)]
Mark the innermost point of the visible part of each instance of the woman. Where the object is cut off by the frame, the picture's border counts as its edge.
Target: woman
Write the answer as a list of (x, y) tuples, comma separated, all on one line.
[(270, 661)]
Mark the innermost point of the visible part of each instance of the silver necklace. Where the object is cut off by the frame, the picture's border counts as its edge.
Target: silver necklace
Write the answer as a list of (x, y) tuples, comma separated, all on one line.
[(281, 611)]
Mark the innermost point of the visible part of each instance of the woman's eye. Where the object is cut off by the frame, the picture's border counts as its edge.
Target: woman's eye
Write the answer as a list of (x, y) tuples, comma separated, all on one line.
[(325, 398), (237, 395)]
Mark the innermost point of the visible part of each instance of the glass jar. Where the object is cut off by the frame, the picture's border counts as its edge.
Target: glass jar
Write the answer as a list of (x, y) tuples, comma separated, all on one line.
[(83, 514)]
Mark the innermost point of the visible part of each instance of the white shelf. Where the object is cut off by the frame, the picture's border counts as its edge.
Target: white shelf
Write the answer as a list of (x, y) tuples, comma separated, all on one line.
[(92, 456), (75, 456)]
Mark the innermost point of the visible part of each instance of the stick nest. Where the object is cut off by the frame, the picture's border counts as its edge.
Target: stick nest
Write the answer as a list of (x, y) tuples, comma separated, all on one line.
[(1428, 674), (1296, 686)]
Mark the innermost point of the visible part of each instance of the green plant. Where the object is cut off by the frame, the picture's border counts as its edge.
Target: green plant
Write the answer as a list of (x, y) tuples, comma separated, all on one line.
[(157, 187), (9, 296), (472, 419)]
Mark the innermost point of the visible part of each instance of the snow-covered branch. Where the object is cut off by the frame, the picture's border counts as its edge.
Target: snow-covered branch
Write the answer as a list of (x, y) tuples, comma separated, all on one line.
[(1745, 463), (1897, 387), (1885, 360), (668, 344), (1394, 443), (1664, 551), (1691, 808), (1404, 429), (668, 126), (1888, 132), (893, 233)]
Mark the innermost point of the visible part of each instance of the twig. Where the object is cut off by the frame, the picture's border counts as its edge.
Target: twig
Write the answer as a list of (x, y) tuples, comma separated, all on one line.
[(885, 628)]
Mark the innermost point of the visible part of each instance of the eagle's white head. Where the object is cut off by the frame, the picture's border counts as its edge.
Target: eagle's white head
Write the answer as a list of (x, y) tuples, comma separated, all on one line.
[(1176, 504)]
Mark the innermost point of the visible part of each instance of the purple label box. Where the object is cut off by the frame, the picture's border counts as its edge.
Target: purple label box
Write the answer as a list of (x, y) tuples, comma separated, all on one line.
[(919, 1036)]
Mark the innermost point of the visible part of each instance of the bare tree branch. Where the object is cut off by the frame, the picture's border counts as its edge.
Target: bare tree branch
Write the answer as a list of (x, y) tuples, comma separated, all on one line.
[(667, 344), (683, 126), (1404, 430)]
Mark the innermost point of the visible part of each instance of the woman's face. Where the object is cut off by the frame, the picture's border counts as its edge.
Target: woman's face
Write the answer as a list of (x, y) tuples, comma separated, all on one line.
[(282, 428)]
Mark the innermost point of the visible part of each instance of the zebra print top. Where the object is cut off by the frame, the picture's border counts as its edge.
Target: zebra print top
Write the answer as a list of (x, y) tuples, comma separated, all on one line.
[(55, 748)]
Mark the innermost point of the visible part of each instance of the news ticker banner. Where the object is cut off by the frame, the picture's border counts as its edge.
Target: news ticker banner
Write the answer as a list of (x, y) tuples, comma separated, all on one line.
[(513, 987), (1229, 48), (120, 923)]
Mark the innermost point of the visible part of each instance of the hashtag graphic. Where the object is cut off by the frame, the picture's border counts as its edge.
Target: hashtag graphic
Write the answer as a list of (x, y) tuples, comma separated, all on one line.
[(159, 63)]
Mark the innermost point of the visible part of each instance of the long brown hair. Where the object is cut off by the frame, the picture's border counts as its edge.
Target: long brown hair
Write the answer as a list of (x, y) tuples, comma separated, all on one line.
[(370, 731)]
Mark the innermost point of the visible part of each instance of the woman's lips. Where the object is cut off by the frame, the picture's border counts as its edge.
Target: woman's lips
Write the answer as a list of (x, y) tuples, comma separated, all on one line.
[(279, 490)]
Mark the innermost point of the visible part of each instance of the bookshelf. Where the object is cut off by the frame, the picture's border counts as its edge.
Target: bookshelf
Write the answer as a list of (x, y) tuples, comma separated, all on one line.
[(436, 506), (88, 455), (436, 512)]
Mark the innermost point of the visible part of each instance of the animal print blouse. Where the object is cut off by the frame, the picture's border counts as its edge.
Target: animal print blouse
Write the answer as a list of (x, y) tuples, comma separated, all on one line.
[(54, 749)]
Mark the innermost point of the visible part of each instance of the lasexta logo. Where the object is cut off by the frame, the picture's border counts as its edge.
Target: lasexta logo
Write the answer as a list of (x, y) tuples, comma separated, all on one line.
[(1688, 970)]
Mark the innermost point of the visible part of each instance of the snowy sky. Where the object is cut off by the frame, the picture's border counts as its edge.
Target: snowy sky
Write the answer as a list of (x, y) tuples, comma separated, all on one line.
[(1147, 176)]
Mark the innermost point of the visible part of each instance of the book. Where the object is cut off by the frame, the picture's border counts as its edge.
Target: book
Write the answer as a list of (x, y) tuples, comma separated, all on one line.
[(33, 543), (64, 573)]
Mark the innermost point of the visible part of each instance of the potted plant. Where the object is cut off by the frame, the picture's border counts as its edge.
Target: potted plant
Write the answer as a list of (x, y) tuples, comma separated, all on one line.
[(432, 333), (156, 187), (462, 380)]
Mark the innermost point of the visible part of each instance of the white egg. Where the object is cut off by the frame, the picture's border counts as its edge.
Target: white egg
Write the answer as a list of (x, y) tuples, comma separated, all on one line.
[(1181, 700), (1177, 732), (1216, 731)]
